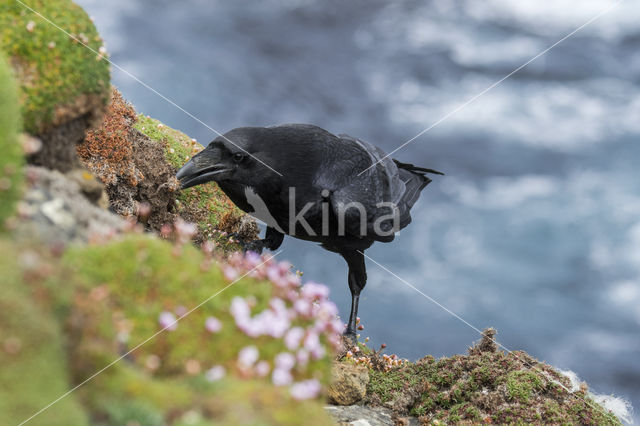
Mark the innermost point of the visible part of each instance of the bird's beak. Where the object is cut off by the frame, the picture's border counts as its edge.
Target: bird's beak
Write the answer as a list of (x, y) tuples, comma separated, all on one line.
[(201, 169)]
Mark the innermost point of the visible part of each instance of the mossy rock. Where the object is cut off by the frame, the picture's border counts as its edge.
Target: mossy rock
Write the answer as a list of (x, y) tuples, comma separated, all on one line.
[(122, 292), (34, 371), (483, 386), (137, 158), (64, 86), (11, 158), (206, 205)]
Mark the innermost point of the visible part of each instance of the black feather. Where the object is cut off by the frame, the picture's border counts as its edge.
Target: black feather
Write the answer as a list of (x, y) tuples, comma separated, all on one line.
[(413, 168)]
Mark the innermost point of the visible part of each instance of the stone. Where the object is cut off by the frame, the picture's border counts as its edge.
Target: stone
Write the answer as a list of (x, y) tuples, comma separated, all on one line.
[(54, 209), (348, 383), (90, 186), (360, 415)]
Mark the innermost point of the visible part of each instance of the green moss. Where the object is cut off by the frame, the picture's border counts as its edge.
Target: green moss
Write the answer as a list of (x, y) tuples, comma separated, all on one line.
[(34, 371), (178, 146), (128, 412), (522, 384), (143, 277), (58, 75), (122, 287), (11, 158), (255, 403), (482, 386), (207, 205)]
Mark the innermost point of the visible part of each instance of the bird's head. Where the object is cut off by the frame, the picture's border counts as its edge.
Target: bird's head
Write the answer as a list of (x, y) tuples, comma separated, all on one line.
[(233, 156)]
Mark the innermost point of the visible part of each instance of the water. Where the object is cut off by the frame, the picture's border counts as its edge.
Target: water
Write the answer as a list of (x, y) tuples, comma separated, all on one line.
[(535, 230)]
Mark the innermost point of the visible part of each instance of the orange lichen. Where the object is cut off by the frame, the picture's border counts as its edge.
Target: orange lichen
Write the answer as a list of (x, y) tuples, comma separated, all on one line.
[(108, 151)]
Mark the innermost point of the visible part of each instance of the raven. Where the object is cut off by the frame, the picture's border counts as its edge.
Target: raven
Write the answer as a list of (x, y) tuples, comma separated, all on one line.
[(306, 182)]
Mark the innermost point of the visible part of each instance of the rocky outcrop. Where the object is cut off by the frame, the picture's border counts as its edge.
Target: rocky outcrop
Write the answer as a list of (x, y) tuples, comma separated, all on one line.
[(64, 86), (360, 415), (348, 383), (56, 210)]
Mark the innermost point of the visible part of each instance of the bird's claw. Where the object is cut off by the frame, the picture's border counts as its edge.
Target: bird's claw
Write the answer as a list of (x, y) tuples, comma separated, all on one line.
[(351, 335)]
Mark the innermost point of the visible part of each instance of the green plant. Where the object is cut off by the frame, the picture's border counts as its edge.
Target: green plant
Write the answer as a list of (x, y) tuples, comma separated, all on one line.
[(11, 158), (59, 77)]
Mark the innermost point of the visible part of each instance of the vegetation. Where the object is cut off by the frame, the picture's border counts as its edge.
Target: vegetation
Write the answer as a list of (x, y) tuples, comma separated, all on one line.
[(11, 158), (213, 212), (487, 386), (257, 349), (59, 77), (137, 157), (187, 336), (34, 370)]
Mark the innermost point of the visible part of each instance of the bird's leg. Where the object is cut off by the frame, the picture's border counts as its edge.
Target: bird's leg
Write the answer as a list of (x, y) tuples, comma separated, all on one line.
[(357, 281), (272, 240), (353, 316)]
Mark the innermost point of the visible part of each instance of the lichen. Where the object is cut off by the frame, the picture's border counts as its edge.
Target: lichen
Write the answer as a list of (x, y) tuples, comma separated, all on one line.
[(60, 78), (108, 151), (486, 385), (11, 158)]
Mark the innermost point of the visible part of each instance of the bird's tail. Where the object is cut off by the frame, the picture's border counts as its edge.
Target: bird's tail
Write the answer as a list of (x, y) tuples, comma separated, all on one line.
[(412, 168), (414, 180)]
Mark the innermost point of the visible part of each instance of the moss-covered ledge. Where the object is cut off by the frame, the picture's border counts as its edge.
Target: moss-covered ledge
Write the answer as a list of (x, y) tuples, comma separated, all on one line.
[(484, 386), (64, 87)]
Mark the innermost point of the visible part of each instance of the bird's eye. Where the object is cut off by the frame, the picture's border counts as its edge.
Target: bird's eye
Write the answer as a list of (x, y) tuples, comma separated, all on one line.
[(238, 157)]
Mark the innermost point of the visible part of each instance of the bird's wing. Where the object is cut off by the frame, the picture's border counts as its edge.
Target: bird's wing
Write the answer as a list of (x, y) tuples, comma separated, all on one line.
[(373, 195)]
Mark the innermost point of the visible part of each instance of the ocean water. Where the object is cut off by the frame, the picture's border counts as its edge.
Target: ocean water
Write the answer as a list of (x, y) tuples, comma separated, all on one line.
[(535, 229)]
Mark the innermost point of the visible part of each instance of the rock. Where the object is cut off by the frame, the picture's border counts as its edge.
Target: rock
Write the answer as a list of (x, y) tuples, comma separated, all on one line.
[(359, 415), (348, 383), (64, 86), (136, 158), (54, 209), (91, 187)]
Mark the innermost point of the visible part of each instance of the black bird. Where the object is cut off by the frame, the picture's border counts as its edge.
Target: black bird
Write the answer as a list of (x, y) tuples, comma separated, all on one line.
[(303, 181)]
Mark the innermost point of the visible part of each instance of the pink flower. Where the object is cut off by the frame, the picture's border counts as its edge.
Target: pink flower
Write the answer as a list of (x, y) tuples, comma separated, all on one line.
[(315, 291), (273, 274), (185, 230), (306, 389), (281, 377), (312, 344), (248, 356), (278, 306), (285, 267), (208, 247), (262, 368), (293, 337), (285, 361), (180, 310), (252, 259), (213, 324), (167, 321), (302, 357), (229, 273), (239, 309), (302, 307), (215, 373)]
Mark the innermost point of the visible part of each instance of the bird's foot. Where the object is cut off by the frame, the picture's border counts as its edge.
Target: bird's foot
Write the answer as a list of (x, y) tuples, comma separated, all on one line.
[(350, 335)]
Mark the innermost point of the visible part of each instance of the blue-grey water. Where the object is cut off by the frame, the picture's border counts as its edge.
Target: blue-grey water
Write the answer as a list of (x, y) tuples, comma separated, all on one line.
[(535, 230)]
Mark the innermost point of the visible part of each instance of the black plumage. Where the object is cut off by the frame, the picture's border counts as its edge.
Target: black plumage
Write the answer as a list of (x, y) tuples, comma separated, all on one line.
[(303, 181)]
